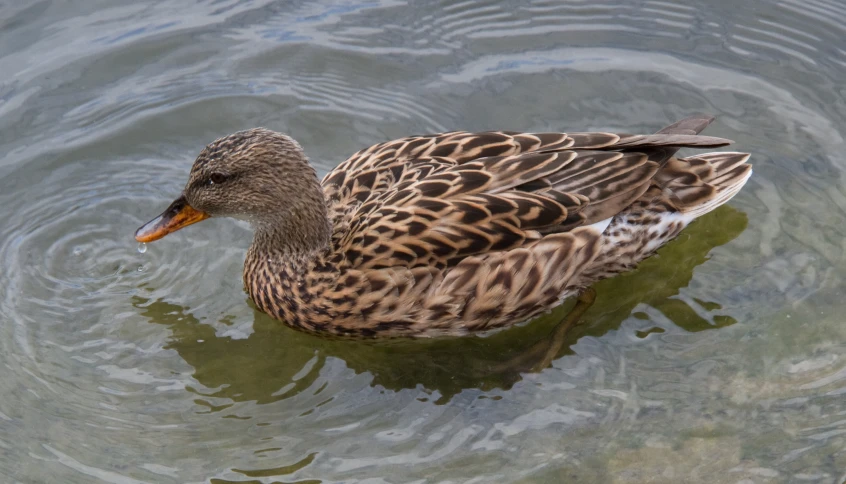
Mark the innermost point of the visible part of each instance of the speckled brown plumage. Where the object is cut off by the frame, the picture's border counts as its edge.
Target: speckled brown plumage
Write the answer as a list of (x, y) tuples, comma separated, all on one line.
[(457, 232)]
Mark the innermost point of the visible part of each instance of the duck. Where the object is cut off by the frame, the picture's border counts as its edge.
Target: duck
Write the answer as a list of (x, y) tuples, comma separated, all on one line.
[(453, 233)]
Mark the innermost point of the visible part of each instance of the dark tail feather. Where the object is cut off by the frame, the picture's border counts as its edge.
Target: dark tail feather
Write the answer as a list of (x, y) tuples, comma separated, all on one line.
[(692, 125)]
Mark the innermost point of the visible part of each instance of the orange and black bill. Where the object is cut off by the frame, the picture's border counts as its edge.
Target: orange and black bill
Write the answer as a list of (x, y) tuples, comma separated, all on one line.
[(179, 214)]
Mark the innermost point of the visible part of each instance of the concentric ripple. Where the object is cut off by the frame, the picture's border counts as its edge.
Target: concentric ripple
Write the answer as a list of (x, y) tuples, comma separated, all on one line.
[(58, 250)]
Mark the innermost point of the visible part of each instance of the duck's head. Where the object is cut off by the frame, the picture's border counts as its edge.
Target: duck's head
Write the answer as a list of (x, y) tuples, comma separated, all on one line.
[(257, 175)]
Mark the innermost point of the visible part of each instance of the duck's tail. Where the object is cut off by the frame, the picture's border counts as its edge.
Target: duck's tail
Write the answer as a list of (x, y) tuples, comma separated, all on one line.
[(699, 184)]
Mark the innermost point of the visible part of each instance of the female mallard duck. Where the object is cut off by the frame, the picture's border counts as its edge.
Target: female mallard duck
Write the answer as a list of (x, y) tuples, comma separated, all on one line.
[(451, 233)]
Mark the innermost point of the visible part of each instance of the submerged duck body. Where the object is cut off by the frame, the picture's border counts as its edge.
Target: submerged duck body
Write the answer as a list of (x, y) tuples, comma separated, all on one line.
[(451, 233)]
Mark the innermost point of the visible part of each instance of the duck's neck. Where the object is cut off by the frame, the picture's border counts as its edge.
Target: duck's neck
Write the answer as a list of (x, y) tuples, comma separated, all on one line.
[(299, 230)]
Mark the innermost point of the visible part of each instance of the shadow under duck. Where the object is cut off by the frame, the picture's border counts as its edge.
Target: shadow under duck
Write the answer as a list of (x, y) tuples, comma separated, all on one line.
[(451, 233)]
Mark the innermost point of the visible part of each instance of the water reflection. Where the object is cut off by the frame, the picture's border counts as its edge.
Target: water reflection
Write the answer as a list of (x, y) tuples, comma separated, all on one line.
[(275, 362)]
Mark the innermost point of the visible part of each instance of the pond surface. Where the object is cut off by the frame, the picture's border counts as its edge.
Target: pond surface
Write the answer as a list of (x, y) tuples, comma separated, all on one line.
[(723, 359)]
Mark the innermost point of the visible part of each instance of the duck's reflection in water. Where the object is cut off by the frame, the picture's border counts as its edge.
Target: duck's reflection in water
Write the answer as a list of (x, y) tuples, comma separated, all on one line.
[(276, 362)]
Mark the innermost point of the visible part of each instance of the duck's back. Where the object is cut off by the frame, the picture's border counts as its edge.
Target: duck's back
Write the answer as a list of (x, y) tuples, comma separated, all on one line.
[(456, 232)]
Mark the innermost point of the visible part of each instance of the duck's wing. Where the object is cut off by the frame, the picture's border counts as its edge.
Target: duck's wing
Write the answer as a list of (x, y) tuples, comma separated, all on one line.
[(439, 217), (383, 166)]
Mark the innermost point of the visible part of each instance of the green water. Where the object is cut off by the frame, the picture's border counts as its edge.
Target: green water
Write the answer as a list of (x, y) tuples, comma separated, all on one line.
[(722, 359)]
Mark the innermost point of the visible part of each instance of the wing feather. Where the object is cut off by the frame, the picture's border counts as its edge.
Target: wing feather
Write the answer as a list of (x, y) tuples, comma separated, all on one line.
[(440, 199)]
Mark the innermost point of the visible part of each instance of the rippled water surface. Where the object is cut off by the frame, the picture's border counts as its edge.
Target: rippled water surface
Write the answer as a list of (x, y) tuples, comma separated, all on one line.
[(723, 359)]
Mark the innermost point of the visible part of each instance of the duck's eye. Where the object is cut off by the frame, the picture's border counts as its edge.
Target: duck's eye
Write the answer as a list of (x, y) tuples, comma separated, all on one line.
[(217, 178)]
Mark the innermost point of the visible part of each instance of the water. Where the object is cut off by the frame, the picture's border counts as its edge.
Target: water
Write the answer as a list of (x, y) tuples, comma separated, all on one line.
[(724, 356)]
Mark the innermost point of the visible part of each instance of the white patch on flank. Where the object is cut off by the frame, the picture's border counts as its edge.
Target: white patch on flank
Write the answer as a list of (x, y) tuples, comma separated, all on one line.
[(665, 220), (601, 225)]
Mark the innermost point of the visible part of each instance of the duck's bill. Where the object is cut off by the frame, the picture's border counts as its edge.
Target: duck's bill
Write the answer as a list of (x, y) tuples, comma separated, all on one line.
[(178, 215)]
